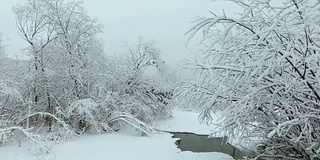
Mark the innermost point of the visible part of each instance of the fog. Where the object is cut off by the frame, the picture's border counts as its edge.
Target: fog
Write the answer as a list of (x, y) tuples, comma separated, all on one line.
[(124, 21)]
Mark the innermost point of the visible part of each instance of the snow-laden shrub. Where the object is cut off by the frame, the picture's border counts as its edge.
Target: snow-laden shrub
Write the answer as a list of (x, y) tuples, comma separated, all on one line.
[(16, 123), (83, 114), (46, 141), (36, 142), (11, 109), (123, 119), (81, 111), (87, 115), (126, 110)]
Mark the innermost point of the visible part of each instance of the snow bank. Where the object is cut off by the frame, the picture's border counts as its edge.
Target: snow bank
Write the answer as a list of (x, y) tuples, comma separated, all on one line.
[(182, 121), (123, 145), (112, 147)]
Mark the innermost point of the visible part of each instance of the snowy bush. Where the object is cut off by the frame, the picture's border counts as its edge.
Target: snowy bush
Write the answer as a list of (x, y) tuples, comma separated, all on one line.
[(83, 113), (15, 121), (113, 113), (11, 110), (260, 70), (125, 119)]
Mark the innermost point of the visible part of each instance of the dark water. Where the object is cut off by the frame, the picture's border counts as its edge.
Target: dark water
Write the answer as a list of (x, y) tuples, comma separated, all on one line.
[(201, 143)]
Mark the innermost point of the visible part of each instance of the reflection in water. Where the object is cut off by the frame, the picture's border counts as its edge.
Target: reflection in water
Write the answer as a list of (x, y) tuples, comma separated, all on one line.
[(201, 143)]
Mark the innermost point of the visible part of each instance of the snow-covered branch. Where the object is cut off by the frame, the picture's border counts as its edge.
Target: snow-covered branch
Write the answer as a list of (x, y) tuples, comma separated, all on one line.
[(260, 70)]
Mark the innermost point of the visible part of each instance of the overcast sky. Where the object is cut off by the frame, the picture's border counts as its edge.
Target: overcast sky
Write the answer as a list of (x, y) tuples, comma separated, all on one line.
[(165, 21)]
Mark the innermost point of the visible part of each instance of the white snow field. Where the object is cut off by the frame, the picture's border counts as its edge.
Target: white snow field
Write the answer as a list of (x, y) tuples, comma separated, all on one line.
[(185, 121), (123, 145)]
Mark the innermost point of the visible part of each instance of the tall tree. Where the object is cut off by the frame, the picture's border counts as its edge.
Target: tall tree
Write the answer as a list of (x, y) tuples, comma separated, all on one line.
[(35, 28), (59, 31), (76, 33)]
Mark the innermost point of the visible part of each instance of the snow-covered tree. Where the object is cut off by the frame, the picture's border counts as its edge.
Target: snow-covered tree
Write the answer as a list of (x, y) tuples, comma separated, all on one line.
[(65, 54), (78, 52), (260, 71), (142, 55), (137, 94), (35, 28), (76, 33), (15, 115)]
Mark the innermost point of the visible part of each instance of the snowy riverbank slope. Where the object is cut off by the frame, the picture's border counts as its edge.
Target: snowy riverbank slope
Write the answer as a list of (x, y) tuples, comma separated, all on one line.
[(123, 145)]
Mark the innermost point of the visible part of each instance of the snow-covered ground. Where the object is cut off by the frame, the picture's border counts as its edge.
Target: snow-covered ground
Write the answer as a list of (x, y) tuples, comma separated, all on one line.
[(184, 121), (123, 145)]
